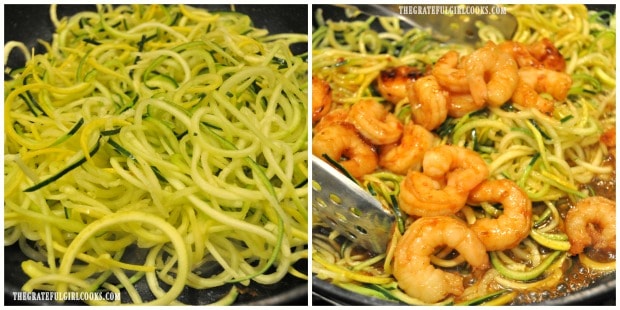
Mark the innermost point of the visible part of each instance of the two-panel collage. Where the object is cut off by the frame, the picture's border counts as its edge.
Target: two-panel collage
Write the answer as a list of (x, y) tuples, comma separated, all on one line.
[(308, 155)]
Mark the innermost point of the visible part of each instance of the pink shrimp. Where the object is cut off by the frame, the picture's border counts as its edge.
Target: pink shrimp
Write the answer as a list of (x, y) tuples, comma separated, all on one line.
[(321, 99), (542, 80), (392, 82), (342, 143), (409, 151), (526, 96), (547, 54), (540, 54), (461, 104), (449, 174), (492, 75), (510, 228), (520, 53), (428, 102), (608, 138), (412, 264), (338, 115), (592, 222), (449, 75), (375, 122)]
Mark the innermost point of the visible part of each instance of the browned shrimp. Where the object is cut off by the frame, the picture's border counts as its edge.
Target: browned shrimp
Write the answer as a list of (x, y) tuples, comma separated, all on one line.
[(547, 54), (555, 83), (375, 122), (510, 228), (321, 99), (409, 151), (412, 264), (592, 222), (609, 139), (342, 143), (534, 81), (460, 167), (449, 174), (449, 75), (492, 75), (338, 115), (461, 104), (541, 54), (520, 53), (526, 96), (392, 82), (428, 102)]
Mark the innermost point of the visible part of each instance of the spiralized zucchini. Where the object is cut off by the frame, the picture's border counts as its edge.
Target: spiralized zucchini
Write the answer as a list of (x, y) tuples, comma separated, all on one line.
[(554, 158), (159, 143)]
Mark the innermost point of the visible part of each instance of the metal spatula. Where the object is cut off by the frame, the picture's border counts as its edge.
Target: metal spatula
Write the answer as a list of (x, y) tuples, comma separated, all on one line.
[(348, 208)]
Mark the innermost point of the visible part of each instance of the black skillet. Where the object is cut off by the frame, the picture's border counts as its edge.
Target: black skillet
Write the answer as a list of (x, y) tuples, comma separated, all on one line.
[(601, 292), (27, 23)]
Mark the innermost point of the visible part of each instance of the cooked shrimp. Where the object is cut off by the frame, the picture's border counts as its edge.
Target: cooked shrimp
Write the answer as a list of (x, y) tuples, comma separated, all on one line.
[(375, 122), (449, 75), (502, 81), (461, 104), (449, 174), (541, 54), (520, 53), (428, 102), (412, 264), (408, 152), (592, 222), (321, 99), (342, 143), (492, 75), (510, 228), (337, 115), (421, 195), (608, 138), (392, 82), (542, 80), (547, 54), (460, 167), (526, 96)]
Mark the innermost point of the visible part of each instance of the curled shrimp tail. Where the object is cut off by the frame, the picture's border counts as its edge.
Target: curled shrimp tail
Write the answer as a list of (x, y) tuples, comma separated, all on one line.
[(321, 99), (375, 122), (513, 225), (492, 75), (408, 153), (449, 174), (342, 143), (429, 107), (547, 54), (592, 222), (392, 82), (449, 75), (412, 264)]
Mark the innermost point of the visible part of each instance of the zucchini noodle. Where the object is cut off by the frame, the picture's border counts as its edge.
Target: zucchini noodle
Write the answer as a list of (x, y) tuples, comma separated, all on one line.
[(557, 158), (162, 144)]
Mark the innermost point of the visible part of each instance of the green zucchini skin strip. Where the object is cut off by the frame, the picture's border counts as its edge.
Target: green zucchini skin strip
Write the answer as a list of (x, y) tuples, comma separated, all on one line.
[(71, 132), (64, 171), (483, 299), (524, 275)]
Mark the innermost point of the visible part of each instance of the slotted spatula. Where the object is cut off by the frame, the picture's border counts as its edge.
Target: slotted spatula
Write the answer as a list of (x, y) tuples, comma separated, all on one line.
[(348, 208)]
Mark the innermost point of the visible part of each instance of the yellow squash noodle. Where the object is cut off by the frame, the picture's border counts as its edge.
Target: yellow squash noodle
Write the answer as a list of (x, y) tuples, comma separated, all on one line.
[(159, 143)]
